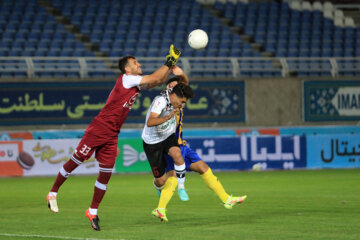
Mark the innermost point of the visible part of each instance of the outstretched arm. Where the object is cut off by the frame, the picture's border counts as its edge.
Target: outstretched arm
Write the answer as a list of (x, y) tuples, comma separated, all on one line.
[(155, 79), (160, 76)]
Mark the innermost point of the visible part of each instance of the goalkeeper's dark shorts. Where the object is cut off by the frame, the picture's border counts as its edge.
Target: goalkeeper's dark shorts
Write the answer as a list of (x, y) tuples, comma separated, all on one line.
[(155, 154)]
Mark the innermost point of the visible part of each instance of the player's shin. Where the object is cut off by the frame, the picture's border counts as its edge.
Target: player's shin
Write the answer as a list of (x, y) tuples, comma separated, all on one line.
[(167, 192), (65, 171), (63, 174), (214, 184), (101, 186)]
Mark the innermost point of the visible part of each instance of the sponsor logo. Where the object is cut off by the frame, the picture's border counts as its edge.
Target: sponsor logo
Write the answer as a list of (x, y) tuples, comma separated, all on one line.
[(167, 124), (262, 151), (8, 151), (131, 101), (131, 156), (347, 101)]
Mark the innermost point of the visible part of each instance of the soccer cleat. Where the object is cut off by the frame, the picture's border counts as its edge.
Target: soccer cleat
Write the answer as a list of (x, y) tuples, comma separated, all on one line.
[(160, 213), (52, 203), (232, 201), (183, 195), (94, 219)]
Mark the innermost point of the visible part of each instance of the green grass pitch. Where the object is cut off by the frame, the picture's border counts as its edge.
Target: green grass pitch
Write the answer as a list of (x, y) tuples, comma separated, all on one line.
[(318, 204)]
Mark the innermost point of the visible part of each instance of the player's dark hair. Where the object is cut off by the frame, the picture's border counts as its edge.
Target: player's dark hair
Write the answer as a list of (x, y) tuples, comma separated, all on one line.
[(123, 62), (173, 79), (181, 90)]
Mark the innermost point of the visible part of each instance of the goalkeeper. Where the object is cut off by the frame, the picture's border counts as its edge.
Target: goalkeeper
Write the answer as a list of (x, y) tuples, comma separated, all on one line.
[(192, 161), (101, 136)]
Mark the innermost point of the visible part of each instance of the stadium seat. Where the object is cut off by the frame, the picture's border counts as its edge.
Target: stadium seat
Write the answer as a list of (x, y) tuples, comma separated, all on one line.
[(295, 29)]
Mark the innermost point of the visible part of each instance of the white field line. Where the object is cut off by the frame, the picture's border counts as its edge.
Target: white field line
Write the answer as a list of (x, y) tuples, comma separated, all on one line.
[(50, 237)]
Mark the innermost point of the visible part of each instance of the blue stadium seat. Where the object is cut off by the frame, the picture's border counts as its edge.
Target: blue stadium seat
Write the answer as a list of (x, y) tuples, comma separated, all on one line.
[(127, 27), (6, 74), (20, 74)]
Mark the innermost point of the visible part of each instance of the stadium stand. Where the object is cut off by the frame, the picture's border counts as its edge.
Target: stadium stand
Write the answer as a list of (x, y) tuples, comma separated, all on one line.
[(60, 38), (27, 30), (300, 30)]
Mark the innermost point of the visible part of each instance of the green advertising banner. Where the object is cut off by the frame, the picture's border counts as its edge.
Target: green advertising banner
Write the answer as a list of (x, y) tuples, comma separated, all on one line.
[(132, 157)]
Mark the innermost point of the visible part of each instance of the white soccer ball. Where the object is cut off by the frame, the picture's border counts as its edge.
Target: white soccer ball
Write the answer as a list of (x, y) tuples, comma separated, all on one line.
[(198, 39), (256, 167)]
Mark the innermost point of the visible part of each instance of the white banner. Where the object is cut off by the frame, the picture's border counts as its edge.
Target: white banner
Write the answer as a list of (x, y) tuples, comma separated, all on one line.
[(50, 155), (347, 101)]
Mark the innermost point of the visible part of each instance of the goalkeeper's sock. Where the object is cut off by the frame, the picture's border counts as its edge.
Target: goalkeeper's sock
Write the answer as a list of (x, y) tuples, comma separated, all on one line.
[(214, 184), (167, 192), (53, 194), (101, 186), (93, 211), (65, 171)]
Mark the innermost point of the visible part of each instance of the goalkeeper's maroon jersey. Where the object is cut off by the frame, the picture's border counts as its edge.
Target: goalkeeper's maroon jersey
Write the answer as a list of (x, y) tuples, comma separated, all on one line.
[(118, 105)]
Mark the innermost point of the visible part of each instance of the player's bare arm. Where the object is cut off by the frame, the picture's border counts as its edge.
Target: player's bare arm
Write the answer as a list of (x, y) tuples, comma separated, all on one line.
[(155, 79), (155, 120), (177, 71), (162, 74)]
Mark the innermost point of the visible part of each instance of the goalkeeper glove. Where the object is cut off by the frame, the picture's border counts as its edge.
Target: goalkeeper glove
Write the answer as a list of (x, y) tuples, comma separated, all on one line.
[(173, 56)]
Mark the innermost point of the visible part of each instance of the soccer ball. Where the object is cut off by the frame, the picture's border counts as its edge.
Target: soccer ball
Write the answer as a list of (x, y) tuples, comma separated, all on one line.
[(256, 167), (198, 39)]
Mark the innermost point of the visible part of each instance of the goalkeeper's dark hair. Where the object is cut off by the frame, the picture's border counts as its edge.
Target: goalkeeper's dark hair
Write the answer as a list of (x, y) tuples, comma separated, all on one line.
[(173, 79), (123, 62), (181, 90)]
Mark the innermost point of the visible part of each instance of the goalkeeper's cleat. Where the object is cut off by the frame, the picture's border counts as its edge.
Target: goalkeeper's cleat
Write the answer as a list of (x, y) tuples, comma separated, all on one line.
[(94, 220), (232, 201), (160, 213), (52, 203), (183, 195)]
